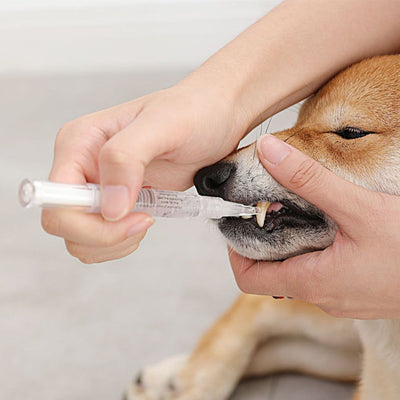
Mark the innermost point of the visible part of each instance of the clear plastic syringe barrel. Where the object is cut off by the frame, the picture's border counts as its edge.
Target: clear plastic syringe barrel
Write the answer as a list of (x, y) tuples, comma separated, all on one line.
[(159, 203), (164, 203)]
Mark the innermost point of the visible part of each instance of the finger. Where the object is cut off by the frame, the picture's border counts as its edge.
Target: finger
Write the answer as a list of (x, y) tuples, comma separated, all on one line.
[(295, 277), (304, 176), (79, 142), (91, 255), (92, 229), (123, 159)]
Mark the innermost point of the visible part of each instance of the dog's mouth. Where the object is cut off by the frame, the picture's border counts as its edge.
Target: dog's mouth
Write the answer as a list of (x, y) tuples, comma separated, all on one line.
[(269, 212), (274, 215)]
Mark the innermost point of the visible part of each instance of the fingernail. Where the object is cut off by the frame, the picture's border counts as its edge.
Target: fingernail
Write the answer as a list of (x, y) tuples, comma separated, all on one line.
[(273, 149), (115, 202), (140, 226)]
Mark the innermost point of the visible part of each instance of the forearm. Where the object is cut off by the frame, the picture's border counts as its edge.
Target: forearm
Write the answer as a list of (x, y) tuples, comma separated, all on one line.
[(293, 50)]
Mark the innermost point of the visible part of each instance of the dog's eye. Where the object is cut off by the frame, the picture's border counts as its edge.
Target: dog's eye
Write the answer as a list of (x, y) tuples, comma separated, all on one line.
[(350, 132)]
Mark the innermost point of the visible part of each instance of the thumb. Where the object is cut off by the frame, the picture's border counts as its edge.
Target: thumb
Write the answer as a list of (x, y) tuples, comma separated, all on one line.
[(340, 199)]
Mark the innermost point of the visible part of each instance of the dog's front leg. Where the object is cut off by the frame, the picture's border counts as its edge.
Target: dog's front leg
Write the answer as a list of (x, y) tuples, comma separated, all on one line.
[(257, 336), (216, 365)]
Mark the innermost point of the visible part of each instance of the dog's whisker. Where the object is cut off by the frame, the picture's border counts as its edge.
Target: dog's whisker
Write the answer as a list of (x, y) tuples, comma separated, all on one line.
[(267, 128), (255, 177), (294, 110), (258, 269), (242, 264), (293, 134), (259, 134), (268, 124)]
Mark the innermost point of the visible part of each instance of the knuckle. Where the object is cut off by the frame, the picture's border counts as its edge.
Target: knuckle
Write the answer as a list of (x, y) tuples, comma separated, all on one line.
[(138, 237), (132, 248), (135, 247), (72, 131), (81, 253), (73, 248), (87, 259), (308, 175), (83, 256), (243, 284), (51, 223), (106, 237), (65, 132), (111, 154), (243, 287)]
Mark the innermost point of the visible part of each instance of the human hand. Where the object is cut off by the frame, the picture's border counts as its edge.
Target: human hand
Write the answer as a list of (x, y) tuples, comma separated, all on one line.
[(357, 276), (162, 139), (159, 140)]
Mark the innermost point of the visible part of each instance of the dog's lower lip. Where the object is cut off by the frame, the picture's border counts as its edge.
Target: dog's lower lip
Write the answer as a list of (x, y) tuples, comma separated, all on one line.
[(276, 219), (280, 214)]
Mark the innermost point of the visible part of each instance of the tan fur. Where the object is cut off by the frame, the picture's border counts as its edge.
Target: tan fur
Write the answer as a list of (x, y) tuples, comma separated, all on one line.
[(373, 105), (260, 335), (357, 395)]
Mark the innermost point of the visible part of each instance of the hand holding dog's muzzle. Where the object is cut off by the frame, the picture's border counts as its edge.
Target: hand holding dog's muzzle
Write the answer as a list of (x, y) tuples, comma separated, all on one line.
[(358, 275)]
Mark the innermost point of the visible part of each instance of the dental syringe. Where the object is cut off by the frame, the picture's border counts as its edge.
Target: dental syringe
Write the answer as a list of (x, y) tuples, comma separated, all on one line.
[(158, 203)]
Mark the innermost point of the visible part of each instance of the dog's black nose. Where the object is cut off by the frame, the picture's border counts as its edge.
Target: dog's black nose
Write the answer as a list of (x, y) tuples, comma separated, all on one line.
[(214, 180)]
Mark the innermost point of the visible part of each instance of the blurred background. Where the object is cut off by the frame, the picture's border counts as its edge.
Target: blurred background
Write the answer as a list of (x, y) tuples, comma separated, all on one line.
[(72, 331)]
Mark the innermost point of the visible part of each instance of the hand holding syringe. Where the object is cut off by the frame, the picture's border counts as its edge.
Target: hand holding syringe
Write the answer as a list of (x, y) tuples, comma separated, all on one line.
[(158, 203)]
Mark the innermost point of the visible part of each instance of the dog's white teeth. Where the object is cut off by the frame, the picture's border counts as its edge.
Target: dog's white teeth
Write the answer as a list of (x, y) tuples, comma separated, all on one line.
[(247, 216), (263, 205)]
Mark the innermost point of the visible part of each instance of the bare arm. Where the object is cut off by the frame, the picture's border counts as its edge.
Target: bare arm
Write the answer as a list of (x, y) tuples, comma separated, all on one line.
[(294, 49)]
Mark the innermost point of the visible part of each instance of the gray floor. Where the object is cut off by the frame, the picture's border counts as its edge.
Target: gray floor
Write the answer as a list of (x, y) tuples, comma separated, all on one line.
[(70, 331)]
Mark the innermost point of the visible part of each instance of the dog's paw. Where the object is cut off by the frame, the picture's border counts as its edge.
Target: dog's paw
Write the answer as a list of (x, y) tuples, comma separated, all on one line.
[(158, 382)]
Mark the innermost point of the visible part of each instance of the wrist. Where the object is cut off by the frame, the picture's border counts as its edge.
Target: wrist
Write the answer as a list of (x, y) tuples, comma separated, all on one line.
[(217, 100)]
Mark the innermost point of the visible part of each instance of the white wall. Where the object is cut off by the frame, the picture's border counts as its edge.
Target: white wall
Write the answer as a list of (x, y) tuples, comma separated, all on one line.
[(47, 36), (35, 4)]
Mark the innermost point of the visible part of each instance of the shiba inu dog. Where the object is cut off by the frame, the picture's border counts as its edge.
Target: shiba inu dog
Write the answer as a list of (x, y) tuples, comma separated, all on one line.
[(352, 127)]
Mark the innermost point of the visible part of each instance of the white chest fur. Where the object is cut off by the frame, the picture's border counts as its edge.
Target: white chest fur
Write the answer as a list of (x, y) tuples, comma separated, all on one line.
[(381, 365)]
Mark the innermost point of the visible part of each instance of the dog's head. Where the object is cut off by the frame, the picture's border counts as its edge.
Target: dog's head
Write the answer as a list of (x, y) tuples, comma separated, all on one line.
[(351, 126)]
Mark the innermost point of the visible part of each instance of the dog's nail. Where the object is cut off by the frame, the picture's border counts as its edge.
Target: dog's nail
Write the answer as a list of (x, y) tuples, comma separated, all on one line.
[(138, 381), (172, 386)]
